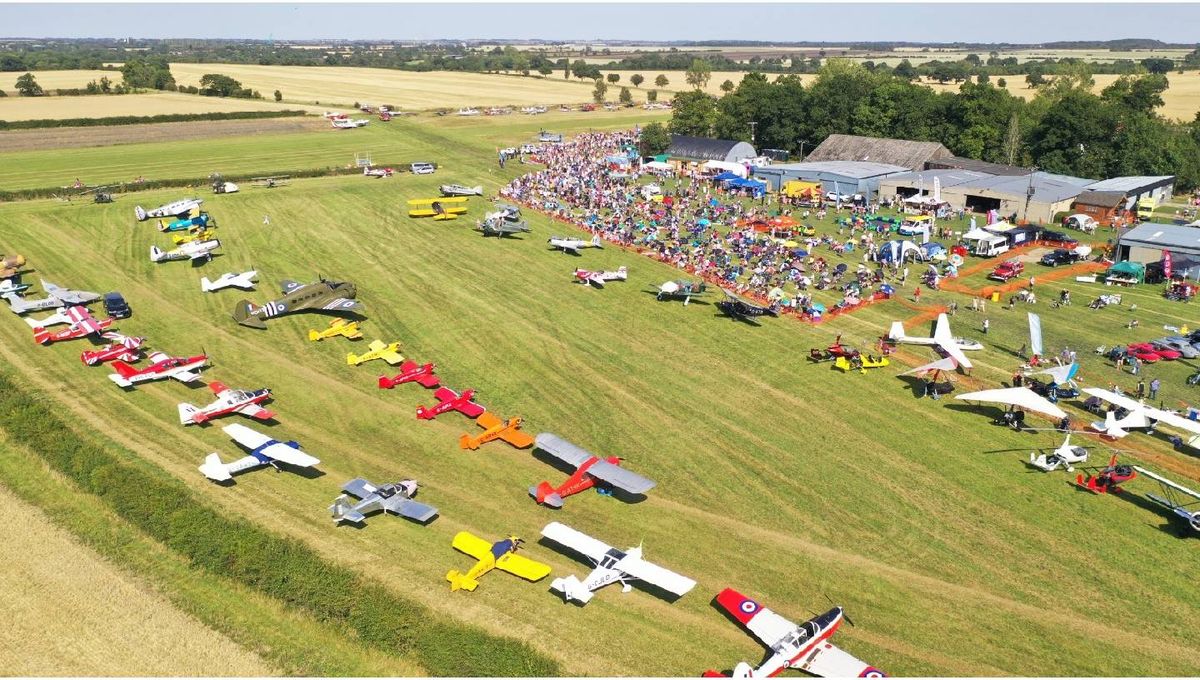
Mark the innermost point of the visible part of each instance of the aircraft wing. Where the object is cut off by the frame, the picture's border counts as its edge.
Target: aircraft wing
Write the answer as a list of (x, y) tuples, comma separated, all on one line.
[(617, 476), (251, 410), (517, 438), (342, 304), (269, 447), (472, 545), (184, 376), (1114, 398), (951, 347), (486, 419), (518, 565), (406, 507), (1173, 420), (1017, 396), (828, 661), (359, 487), (576, 540), (1168, 483), (947, 364), (656, 575), (1060, 374), (765, 624), (561, 449)]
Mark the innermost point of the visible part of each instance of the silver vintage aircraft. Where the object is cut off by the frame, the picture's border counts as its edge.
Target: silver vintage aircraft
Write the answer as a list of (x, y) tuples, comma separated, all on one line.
[(55, 297), (395, 498), (570, 244)]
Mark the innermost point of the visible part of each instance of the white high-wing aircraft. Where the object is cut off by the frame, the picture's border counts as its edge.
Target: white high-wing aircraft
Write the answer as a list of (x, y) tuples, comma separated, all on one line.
[(1064, 456), (245, 281), (570, 244), (805, 646), (174, 209), (192, 250), (941, 338), (611, 565), (263, 451), (1140, 416), (1176, 497)]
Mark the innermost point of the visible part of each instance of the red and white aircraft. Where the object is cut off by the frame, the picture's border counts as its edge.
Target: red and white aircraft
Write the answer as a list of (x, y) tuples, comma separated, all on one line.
[(410, 372), (589, 469), (805, 646), (597, 279), (451, 401), (161, 366), (82, 325), (122, 347), (245, 402)]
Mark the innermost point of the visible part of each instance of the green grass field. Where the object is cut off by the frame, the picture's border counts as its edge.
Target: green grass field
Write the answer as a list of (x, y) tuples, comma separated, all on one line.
[(779, 477)]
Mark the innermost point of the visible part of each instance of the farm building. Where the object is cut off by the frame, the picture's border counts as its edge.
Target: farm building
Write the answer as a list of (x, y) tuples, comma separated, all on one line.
[(905, 153), (1136, 188), (1103, 206), (700, 149), (841, 177), (1146, 242), (1036, 197)]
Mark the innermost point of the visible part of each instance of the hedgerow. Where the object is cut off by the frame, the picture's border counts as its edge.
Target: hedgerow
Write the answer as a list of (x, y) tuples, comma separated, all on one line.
[(132, 120), (281, 568)]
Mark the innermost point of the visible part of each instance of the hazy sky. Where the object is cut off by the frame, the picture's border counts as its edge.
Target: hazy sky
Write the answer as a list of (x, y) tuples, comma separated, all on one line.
[(841, 21)]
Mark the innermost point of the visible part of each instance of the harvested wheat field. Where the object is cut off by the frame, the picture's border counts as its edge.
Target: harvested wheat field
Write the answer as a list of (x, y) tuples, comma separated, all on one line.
[(69, 612), (342, 86), (104, 106), (52, 80), (140, 133)]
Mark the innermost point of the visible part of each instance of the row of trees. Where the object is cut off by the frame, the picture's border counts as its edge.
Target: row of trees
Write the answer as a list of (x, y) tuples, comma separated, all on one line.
[(1065, 129)]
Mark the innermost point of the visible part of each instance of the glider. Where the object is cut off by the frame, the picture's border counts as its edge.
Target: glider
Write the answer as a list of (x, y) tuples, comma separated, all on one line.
[(598, 279), (327, 296), (192, 250), (589, 469), (805, 646), (377, 350), (245, 281), (438, 208), (339, 326), (1017, 396), (245, 402), (174, 209), (1176, 498), (449, 400), (81, 326), (611, 565), (499, 555), (263, 451), (410, 372), (1139, 416), (122, 347), (161, 366), (941, 338), (572, 245), (946, 364), (394, 498), (493, 429)]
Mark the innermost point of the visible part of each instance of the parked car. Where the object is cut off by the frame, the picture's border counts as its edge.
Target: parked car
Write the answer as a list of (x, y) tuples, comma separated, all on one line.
[(1009, 269), (116, 307), (1143, 352), (422, 168), (1177, 344), (1060, 256), (1060, 237), (1145, 347)]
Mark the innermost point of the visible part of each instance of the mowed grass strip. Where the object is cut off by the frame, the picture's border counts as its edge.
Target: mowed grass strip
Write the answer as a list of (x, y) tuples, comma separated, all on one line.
[(69, 612), (278, 567), (776, 476)]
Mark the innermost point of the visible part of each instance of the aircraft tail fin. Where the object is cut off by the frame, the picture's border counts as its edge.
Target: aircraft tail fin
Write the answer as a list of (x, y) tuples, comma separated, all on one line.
[(386, 383), (596, 241), (214, 469), (572, 589), (897, 331), (546, 495), (123, 369), (140, 213), (41, 336), (156, 254), (242, 314), (206, 286), (343, 511), (467, 442), (460, 581), (189, 414)]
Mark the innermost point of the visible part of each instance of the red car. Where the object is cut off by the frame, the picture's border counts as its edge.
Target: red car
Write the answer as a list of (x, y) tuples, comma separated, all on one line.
[(1142, 350), (1007, 270)]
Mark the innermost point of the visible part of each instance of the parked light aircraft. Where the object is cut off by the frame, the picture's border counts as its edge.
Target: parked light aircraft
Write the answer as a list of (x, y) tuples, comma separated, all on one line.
[(55, 297), (493, 428), (611, 565), (941, 338), (394, 498), (598, 278), (1176, 498), (245, 281), (173, 209), (499, 555), (263, 451), (245, 402), (161, 366), (570, 244), (589, 469), (192, 250), (377, 350), (1139, 416)]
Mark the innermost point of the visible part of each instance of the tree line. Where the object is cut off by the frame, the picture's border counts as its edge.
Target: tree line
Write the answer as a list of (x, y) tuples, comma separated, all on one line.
[(1066, 128)]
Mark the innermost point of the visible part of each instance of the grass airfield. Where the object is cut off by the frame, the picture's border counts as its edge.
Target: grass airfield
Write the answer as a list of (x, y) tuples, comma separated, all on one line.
[(784, 479)]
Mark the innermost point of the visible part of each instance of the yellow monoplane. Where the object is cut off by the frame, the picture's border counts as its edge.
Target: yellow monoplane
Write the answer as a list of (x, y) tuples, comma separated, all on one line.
[(377, 350), (438, 208), (501, 554), (339, 326)]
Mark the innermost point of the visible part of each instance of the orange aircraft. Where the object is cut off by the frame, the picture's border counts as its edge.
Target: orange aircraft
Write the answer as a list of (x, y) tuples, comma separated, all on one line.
[(494, 428)]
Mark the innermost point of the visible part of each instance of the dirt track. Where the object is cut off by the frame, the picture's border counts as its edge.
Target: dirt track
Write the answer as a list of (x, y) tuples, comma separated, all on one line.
[(75, 137)]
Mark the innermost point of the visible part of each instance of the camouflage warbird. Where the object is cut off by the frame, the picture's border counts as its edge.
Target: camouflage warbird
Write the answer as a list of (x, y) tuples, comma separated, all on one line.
[(326, 296)]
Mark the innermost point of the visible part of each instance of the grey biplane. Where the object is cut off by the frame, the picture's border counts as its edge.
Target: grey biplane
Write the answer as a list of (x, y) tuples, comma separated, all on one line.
[(394, 498)]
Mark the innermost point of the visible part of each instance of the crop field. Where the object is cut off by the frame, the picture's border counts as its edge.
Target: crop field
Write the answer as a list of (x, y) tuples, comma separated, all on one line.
[(409, 90), (52, 80), (101, 106), (68, 612), (785, 479)]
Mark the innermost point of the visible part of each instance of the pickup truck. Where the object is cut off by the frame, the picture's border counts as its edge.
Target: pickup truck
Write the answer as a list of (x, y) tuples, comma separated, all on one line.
[(1007, 270)]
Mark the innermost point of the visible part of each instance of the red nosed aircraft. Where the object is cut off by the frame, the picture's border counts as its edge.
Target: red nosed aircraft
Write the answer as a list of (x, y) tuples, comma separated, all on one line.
[(451, 401), (410, 372)]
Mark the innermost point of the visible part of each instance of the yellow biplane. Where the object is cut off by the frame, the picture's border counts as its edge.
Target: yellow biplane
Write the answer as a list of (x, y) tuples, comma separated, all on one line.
[(346, 329), (194, 234), (501, 554), (493, 429), (438, 208), (377, 350)]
